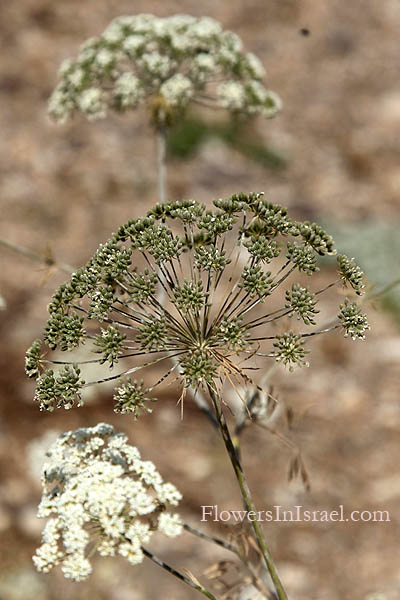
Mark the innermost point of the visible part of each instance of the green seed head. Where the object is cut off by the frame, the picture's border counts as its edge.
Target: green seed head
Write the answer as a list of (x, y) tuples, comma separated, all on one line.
[(187, 291)]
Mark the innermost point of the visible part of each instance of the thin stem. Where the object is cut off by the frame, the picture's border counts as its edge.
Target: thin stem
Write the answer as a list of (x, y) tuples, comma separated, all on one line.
[(242, 557), (47, 261), (196, 586), (246, 495), (211, 538), (387, 288), (129, 371), (161, 161)]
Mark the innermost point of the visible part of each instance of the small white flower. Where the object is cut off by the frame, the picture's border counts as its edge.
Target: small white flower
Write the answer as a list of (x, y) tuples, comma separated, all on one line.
[(204, 62), (60, 105), (95, 443), (227, 58), (180, 22), (46, 507), (132, 554), (107, 547), (46, 557), (168, 494), (65, 67), (138, 531), (133, 43), (272, 105), (255, 65), (120, 440), (171, 525), (157, 65), (113, 527), (142, 504), (206, 27), (76, 567), (177, 90), (258, 91), (232, 41), (96, 485), (104, 57), (181, 41), (132, 454), (51, 532), (91, 102), (159, 27), (76, 77), (232, 95), (144, 22), (91, 44), (128, 89), (75, 538), (114, 33)]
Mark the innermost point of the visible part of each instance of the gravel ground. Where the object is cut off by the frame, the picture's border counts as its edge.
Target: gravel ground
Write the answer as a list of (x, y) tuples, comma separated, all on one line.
[(65, 189)]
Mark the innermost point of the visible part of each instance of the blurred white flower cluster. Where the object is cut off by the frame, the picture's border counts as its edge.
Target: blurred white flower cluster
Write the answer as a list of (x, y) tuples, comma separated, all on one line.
[(103, 497), (165, 63)]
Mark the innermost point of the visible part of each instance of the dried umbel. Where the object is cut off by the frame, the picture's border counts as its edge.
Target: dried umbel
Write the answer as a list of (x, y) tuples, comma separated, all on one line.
[(163, 63), (100, 496), (197, 292)]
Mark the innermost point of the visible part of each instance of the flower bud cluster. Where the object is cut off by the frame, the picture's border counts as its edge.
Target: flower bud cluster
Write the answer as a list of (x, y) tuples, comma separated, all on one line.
[(290, 350), (353, 321)]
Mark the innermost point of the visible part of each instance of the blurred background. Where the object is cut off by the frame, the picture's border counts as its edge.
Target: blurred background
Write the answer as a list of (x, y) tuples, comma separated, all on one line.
[(332, 156)]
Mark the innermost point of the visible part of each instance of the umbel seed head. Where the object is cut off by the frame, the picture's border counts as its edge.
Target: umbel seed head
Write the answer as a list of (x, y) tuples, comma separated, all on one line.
[(196, 293)]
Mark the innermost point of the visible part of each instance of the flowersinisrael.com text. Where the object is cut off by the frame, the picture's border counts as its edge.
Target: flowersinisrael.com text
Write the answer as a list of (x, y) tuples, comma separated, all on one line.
[(296, 514)]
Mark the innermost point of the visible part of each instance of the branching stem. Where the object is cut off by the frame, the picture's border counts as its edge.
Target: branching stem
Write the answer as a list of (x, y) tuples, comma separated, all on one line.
[(196, 586)]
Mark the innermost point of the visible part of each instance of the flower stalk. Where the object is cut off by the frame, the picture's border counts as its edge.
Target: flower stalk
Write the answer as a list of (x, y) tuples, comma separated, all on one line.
[(162, 163), (246, 495), (196, 586)]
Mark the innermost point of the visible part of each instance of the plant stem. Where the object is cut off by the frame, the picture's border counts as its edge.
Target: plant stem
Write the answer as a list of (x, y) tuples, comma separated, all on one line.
[(196, 586), (162, 166), (47, 261), (387, 288), (246, 495), (211, 538)]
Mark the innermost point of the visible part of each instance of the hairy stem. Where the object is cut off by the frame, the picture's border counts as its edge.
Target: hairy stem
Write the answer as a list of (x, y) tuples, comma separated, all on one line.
[(196, 586), (246, 495)]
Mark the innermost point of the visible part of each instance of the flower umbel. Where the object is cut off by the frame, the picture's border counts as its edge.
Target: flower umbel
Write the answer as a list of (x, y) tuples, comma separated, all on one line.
[(100, 493), (218, 309), (131, 398), (164, 63), (353, 321)]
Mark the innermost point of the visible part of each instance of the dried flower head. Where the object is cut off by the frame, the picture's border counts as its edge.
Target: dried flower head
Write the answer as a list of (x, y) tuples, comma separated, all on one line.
[(100, 495), (164, 63), (220, 315)]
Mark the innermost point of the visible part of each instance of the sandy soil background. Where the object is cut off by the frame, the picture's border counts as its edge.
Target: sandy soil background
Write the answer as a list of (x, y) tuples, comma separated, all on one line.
[(65, 189)]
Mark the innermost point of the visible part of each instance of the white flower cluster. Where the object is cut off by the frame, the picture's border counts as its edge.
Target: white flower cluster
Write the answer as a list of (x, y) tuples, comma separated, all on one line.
[(165, 62), (98, 491)]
